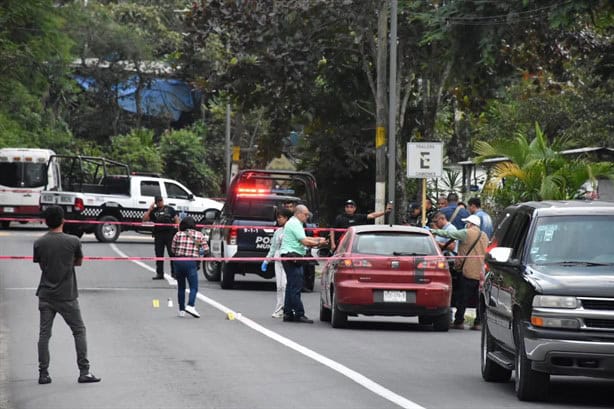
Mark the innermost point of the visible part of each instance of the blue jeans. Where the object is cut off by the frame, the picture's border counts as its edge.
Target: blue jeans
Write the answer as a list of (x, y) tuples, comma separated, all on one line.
[(293, 306), (186, 269)]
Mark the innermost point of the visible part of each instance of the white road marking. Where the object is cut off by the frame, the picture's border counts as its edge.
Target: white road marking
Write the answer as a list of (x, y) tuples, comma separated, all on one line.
[(335, 366)]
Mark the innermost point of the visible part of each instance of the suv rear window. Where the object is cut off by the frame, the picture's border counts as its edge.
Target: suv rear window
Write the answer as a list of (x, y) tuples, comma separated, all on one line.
[(572, 239), (387, 244), (256, 208)]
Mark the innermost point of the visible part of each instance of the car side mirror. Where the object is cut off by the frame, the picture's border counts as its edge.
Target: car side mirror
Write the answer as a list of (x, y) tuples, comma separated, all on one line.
[(500, 254), (190, 196), (211, 215)]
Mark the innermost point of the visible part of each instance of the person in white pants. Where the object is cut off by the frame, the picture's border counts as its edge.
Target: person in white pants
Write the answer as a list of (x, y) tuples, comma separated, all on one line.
[(282, 217)]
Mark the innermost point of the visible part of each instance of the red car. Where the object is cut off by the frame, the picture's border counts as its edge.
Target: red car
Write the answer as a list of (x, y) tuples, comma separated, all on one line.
[(386, 270)]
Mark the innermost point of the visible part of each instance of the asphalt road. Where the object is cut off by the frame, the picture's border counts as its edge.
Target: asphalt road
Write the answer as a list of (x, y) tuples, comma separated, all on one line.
[(148, 357)]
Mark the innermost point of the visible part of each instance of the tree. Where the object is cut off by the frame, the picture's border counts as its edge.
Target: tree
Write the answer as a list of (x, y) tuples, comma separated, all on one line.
[(536, 170), (183, 154), (137, 149), (34, 56)]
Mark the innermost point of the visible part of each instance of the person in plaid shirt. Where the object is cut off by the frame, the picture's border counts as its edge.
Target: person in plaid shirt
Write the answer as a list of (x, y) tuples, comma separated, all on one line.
[(188, 242)]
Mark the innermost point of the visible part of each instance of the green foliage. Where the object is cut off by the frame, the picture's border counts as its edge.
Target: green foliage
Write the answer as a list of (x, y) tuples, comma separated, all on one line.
[(137, 149), (184, 156), (34, 53), (536, 170)]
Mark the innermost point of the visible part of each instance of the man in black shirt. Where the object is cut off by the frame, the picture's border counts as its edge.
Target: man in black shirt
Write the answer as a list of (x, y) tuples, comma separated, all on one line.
[(57, 254), (166, 220), (350, 218)]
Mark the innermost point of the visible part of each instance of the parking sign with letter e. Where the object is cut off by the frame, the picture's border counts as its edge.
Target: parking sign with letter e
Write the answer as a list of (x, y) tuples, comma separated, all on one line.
[(424, 159)]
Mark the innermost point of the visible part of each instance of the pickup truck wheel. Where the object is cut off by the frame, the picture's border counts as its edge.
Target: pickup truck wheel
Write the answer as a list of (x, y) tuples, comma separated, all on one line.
[(211, 270), (441, 323), (107, 233), (339, 319), (530, 385), (227, 279), (325, 313), (491, 372)]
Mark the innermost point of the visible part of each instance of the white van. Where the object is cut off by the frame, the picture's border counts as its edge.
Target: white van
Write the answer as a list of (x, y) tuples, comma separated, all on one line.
[(23, 175)]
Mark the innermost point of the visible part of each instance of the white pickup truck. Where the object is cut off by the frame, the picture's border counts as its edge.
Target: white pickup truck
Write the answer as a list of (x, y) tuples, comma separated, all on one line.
[(96, 193)]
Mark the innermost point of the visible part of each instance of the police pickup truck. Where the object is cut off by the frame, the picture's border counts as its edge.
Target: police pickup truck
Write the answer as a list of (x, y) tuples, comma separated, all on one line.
[(102, 191), (245, 225)]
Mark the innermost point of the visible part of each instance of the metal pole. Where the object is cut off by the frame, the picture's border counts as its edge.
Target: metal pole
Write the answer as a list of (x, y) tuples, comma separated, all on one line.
[(227, 146), (392, 104)]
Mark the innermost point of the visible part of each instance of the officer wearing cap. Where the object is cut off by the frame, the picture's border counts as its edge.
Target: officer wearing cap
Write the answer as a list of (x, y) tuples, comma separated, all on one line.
[(166, 220), (350, 218)]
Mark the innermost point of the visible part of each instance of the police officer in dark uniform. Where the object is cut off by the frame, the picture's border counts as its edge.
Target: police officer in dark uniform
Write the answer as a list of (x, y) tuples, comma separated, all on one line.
[(350, 218), (159, 213)]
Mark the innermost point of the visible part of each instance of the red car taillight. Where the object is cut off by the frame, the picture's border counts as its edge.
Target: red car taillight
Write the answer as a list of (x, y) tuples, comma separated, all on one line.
[(232, 237), (356, 263), (79, 206), (434, 263)]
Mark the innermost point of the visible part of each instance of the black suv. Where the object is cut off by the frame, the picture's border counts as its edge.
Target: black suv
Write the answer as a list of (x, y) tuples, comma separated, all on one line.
[(243, 229), (548, 296)]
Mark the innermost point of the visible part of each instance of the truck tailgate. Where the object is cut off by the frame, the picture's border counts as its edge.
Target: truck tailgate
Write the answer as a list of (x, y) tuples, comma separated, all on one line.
[(253, 238)]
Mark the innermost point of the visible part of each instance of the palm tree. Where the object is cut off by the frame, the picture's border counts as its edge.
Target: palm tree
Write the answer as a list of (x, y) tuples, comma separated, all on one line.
[(537, 170)]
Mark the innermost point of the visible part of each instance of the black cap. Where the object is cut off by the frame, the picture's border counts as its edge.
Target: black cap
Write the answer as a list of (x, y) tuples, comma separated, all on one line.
[(350, 202), (158, 198)]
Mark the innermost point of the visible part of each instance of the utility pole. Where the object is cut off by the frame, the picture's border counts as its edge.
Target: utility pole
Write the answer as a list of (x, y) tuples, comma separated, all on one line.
[(380, 121), (392, 108), (227, 151)]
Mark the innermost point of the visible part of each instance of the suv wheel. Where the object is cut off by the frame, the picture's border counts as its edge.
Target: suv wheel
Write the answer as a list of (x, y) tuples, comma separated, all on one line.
[(227, 279), (530, 385), (491, 372), (211, 270), (339, 319)]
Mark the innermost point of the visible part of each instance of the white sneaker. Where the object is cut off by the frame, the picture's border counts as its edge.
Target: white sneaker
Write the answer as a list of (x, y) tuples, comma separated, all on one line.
[(192, 311), (182, 313), (277, 314)]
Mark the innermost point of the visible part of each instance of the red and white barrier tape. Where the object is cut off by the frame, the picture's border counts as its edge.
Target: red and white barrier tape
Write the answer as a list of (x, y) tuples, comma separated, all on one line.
[(151, 224), (253, 259)]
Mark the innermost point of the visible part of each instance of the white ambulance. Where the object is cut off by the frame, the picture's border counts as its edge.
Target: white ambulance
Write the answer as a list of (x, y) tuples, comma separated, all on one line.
[(23, 175)]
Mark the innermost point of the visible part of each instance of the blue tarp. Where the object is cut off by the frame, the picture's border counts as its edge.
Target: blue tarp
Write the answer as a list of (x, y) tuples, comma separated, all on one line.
[(159, 97)]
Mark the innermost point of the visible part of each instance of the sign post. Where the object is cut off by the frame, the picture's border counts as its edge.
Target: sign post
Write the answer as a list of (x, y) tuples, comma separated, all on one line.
[(424, 160)]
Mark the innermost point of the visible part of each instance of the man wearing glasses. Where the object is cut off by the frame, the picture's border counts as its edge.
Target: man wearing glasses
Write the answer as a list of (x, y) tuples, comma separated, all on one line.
[(293, 248)]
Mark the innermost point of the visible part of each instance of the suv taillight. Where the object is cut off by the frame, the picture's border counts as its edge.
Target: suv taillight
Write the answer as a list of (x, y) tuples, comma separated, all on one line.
[(232, 237), (79, 206)]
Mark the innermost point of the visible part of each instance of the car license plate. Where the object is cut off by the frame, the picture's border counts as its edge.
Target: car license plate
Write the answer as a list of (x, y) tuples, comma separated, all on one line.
[(395, 296), (9, 210)]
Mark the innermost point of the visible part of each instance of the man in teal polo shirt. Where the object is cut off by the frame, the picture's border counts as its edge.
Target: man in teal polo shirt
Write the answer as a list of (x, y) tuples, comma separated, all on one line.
[(293, 247)]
